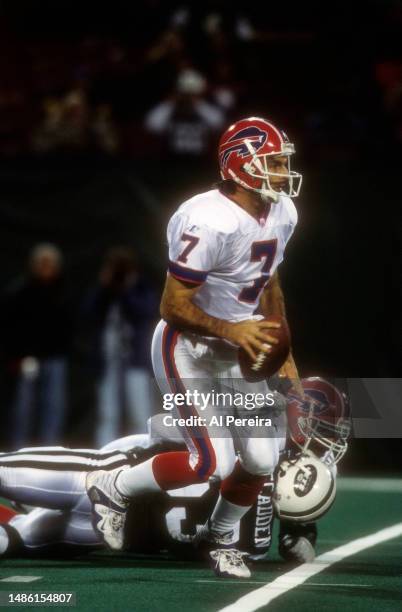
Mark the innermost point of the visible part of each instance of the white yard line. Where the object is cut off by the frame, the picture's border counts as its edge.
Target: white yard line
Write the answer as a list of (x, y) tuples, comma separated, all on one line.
[(380, 485), (21, 579), (317, 584), (264, 595), (230, 582)]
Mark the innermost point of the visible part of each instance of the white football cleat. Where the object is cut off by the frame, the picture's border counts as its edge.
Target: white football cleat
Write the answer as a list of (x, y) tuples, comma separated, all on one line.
[(225, 560), (229, 563), (109, 507)]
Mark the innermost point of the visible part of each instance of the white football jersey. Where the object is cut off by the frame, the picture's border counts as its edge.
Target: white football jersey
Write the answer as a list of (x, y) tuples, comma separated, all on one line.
[(216, 244)]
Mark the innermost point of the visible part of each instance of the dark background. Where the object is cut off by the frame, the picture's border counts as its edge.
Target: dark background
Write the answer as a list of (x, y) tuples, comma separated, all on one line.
[(331, 78)]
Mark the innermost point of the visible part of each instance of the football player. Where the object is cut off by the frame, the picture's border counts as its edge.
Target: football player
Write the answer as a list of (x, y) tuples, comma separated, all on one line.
[(225, 246), (50, 483), (54, 478), (318, 422)]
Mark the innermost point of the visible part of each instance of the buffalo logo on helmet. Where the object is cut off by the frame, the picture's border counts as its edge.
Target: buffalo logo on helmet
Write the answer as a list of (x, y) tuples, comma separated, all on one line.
[(320, 399), (236, 144), (326, 399)]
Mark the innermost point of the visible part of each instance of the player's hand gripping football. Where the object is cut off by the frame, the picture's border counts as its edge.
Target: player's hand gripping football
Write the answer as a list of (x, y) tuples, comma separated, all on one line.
[(253, 336)]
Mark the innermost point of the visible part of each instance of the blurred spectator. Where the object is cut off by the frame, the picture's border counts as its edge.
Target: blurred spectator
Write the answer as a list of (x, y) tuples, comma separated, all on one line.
[(36, 326), (122, 309), (69, 123), (186, 120), (64, 124), (104, 129)]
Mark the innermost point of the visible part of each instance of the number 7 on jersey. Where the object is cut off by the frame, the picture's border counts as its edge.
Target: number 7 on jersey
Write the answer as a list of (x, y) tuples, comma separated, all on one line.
[(192, 242), (265, 249)]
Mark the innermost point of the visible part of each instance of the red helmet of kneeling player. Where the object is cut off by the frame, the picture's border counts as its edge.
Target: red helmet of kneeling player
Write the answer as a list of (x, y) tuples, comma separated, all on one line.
[(321, 419), (247, 152)]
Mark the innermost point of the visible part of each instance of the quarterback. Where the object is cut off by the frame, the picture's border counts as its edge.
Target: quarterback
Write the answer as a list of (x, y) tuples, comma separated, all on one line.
[(225, 246)]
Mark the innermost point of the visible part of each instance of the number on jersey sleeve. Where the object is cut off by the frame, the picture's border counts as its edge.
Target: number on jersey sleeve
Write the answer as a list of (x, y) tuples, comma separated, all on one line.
[(193, 250), (192, 242)]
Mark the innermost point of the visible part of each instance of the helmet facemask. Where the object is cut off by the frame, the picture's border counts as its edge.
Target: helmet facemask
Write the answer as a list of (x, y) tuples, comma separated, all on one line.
[(332, 436), (258, 168)]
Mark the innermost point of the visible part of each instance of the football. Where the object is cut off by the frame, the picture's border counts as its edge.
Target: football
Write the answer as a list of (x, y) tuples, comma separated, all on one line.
[(267, 363)]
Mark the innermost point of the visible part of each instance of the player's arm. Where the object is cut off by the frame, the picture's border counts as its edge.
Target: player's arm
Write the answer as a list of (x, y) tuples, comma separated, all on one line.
[(178, 309), (272, 302)]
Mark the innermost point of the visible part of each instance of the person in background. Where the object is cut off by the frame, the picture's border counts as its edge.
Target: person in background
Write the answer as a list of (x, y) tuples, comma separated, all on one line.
[(36, 321), (122, 308), (186, 120)]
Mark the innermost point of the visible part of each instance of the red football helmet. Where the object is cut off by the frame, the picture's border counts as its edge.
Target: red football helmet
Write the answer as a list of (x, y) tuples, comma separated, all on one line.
[(322, 417), (244, 150)]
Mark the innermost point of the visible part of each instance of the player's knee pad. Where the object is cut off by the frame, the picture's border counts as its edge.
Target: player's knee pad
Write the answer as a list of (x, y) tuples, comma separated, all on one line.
[(260, 464), (224, 467), (216, 466)]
